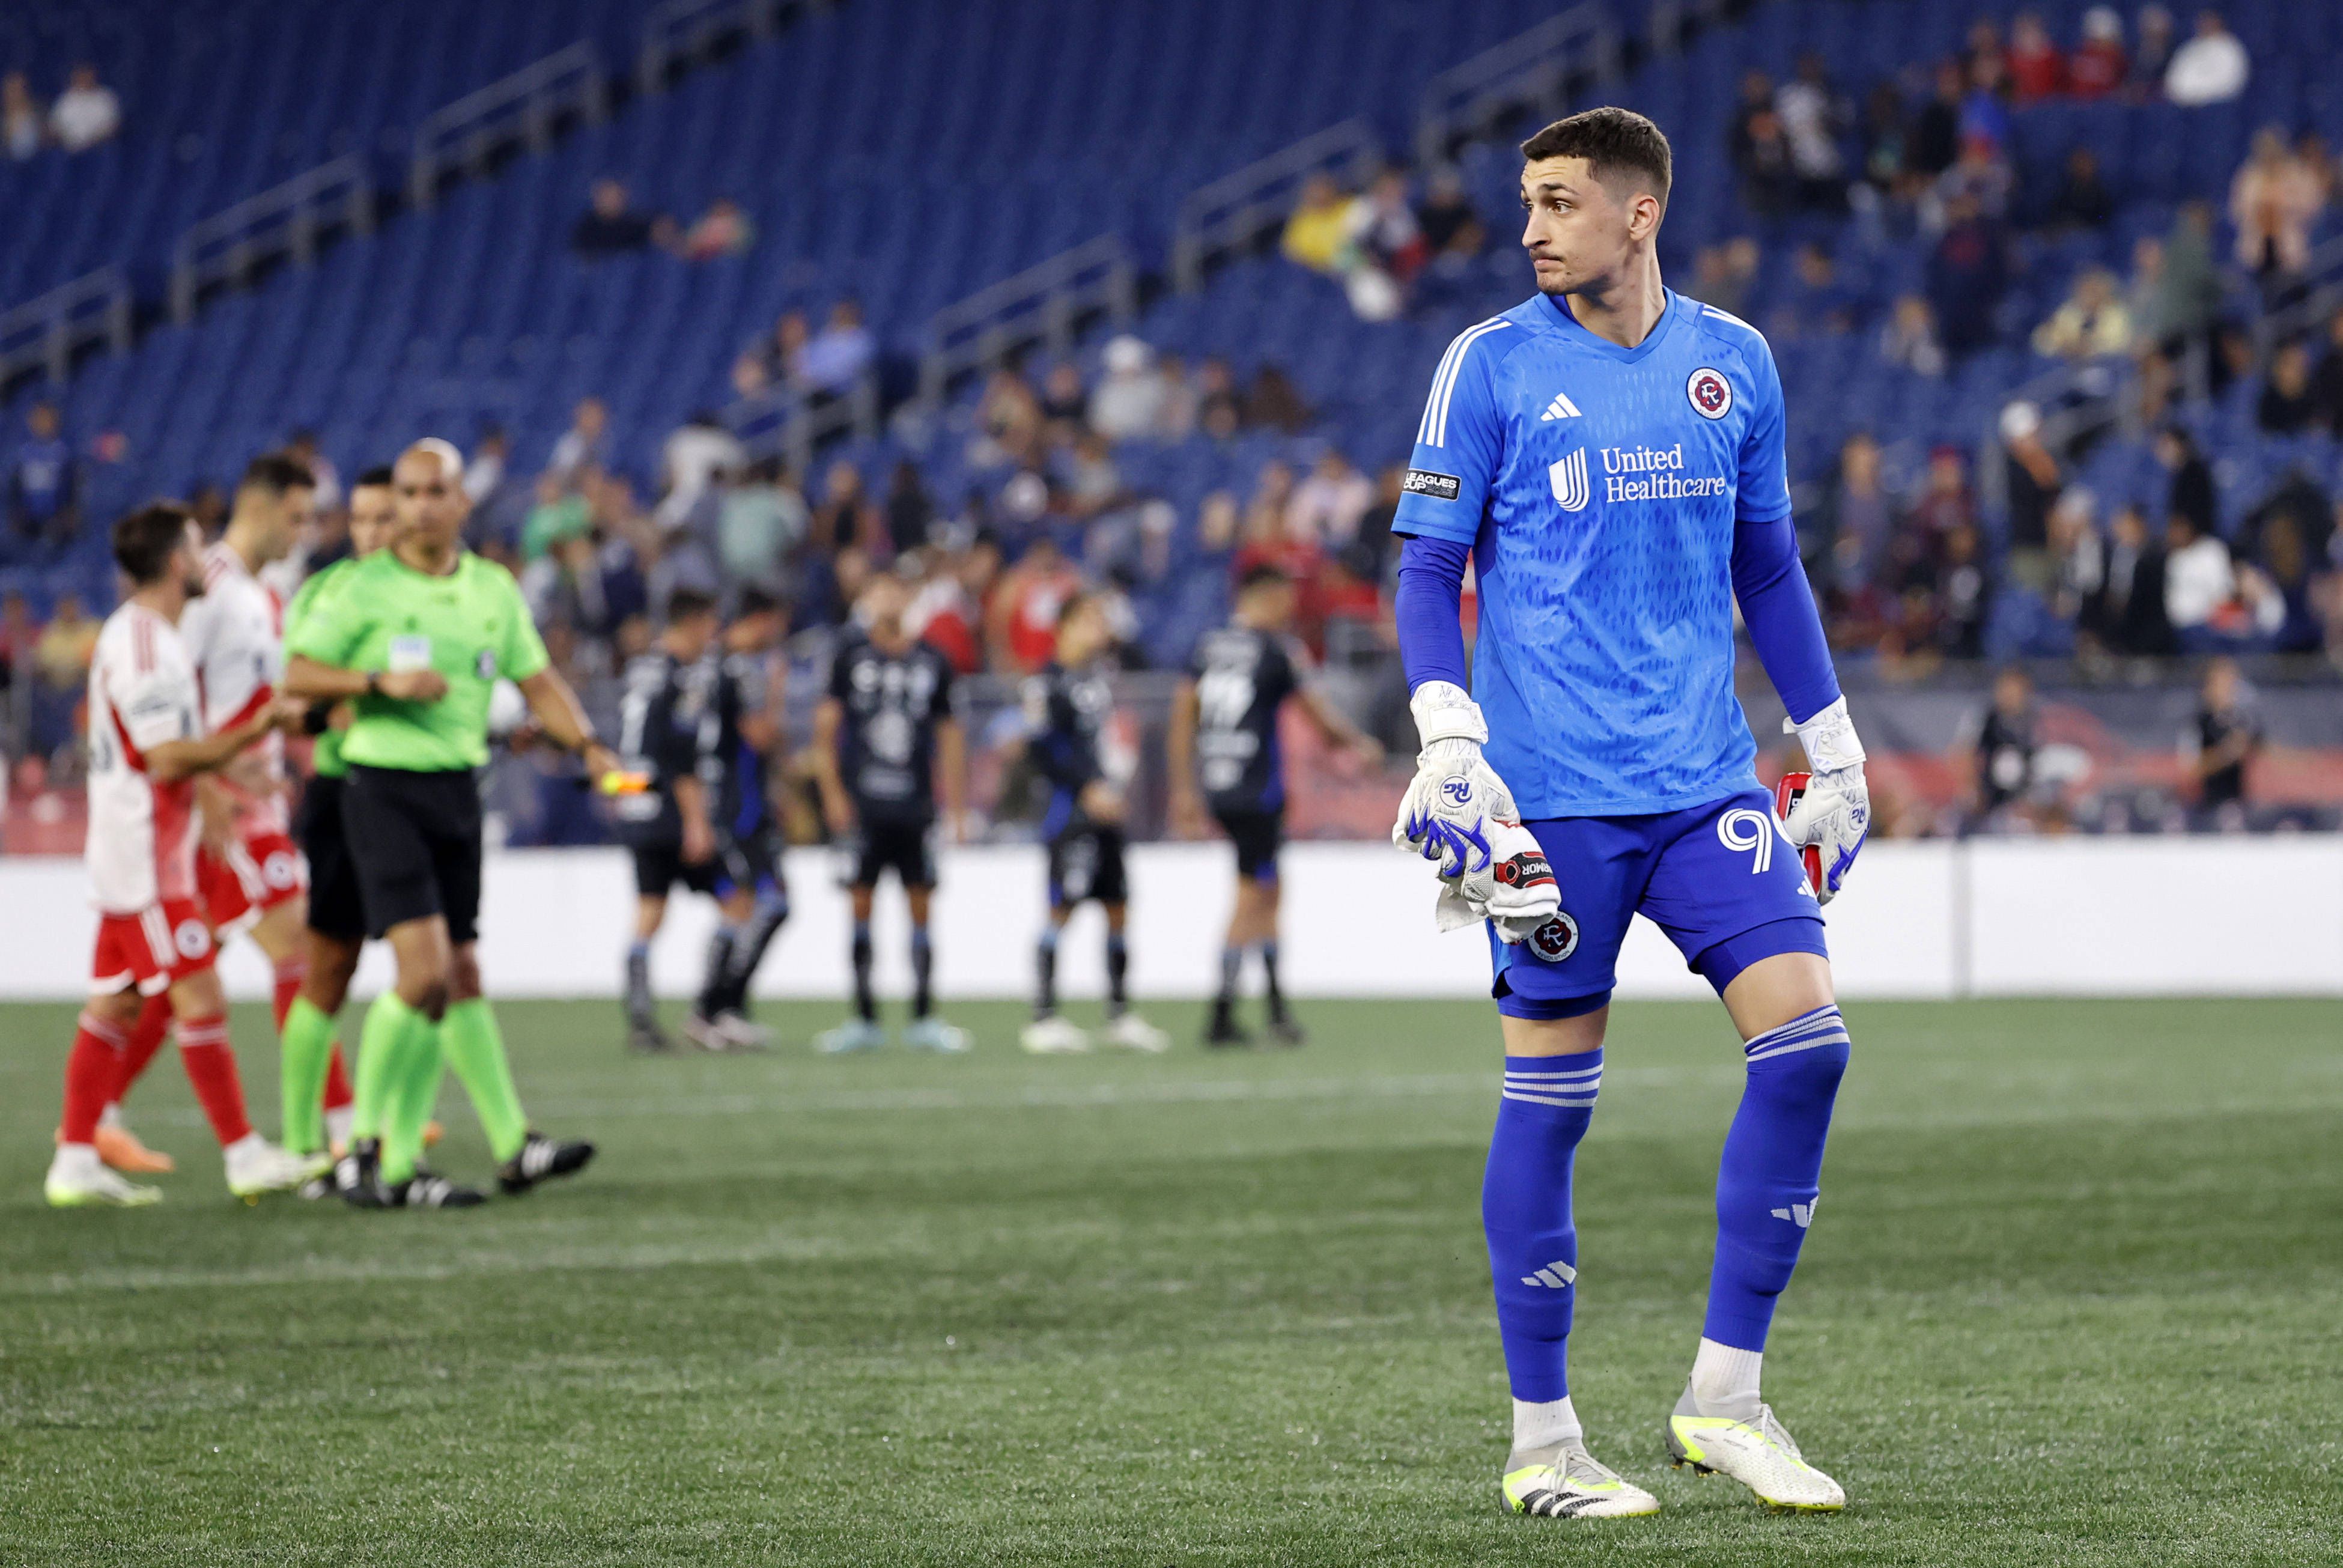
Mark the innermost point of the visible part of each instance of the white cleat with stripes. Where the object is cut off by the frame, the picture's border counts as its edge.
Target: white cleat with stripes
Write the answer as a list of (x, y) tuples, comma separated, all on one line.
[(1565, 1482), (1760, 1455)]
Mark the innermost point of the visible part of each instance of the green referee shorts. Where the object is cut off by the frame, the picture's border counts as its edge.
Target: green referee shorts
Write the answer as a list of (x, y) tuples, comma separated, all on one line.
[(414, 839)]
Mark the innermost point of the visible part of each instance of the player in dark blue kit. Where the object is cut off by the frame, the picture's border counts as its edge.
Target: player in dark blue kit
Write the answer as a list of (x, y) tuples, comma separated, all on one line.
[(1225, 756), (1065, 707), (1609, 455), (879, 739)]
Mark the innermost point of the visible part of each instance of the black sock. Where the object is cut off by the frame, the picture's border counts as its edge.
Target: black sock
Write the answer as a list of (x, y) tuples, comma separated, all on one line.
[(865, 1007), (1269, 969), (1045, 964), (1232, 966), (749, 949), (639, 1007), (923, 964), (719, 962), (1118, 965)]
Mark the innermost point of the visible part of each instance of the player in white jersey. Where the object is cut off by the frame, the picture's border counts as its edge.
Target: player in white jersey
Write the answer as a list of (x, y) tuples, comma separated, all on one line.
[(147, 747)]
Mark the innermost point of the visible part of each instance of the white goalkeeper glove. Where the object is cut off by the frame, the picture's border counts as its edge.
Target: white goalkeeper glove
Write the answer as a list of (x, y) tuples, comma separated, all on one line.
[(1834, 813), (1459, 815)]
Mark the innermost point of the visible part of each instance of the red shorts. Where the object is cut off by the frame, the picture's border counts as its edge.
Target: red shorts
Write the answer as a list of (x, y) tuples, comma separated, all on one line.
[(154, 950), (256, 875)]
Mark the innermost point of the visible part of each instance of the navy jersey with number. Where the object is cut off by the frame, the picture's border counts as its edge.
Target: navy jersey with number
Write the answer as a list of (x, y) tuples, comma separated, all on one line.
[(1243, 679), (887, 745), (1065, 709), (673, 725), (744, 802)]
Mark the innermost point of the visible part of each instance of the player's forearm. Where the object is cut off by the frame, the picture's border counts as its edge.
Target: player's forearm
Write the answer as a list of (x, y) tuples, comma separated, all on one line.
[(952, 756), (1427, 611), (176, 760), (307, 679), (1785, 627), (1179, 740), (691, 804)]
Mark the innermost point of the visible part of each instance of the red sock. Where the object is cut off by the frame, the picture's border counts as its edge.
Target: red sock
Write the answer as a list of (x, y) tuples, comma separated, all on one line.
[(290, 973), (338, 1081), (145, 1039), (211, 1067), (90, 1074)]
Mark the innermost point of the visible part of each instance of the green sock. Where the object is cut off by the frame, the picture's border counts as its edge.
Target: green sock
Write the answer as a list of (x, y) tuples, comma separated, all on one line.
[(475, 1048), (382, 1053), (418, 1092), (307, 1045)]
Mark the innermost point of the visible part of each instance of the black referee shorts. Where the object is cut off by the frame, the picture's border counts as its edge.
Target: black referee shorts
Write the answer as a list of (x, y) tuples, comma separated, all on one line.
[(336, 907), (1258, 836), (415, 840), (901, 848)]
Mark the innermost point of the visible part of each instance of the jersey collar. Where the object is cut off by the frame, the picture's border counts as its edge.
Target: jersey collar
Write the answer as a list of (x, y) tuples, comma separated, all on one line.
[(1672, 306)]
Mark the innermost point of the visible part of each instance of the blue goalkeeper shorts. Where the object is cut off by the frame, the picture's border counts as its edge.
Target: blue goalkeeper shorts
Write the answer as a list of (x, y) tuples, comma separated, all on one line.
[(1720, 879)]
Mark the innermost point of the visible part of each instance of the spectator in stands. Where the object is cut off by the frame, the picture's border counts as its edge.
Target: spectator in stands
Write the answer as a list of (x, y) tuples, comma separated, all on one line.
[(66, 643), (1982, 55), (847, 517), (2220, 744), (560, 515), (1128, 402), (1451, 227), (910, 510), (20, 635), (1963, 593), (1008, 421), (2128, 615), (2036, 69), (2079, 554), (2188, 295), (1220, 407), (610, 225), (2083, 201), (1934, 138), (2031, 480), (1883, 130), (45, 481), (1093, 484), (837, 356), (2099, 66), (2310, 151), (2199, 584), (2092, 324), (1967, 274), (1908, 337), (1814, 117), (20, 118), (1389, 235), (1273, 403), (85, 113), (1326, 506), (585, 444), (1856, 523), (1762, 155), (2153, 57), (2210, 68), (1724, 273), (758, 521), (1022, 620), (2287, 406), (2190, 492), (724, 229), (1065, 404), (1815, 301), (1320, 230), (691, 461), (2273, 201), (2326, 381), (1985, 108), (1981, 174), (773, 360), (1999, 749)]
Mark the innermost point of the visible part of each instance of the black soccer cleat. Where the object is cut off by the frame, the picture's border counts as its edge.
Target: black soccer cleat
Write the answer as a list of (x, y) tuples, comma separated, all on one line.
[(1284, 1030), (1223, 1033), (358, 1175), (644, 1038), (428, 1189), (541, 1159)]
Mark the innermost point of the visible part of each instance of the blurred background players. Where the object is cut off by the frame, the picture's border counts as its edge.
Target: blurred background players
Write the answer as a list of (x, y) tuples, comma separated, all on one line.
[(1225, 756), (752, 894), (879, 737), (418, 637), (148, 746), (1065, 704)]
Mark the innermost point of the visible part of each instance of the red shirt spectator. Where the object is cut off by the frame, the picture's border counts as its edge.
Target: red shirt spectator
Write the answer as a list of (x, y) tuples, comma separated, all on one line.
[(1024, 611), (2036, 69), (2100, 63)]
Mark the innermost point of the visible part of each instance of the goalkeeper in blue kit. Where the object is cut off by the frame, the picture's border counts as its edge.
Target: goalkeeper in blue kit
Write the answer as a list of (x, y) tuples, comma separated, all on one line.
[(1608, 456)]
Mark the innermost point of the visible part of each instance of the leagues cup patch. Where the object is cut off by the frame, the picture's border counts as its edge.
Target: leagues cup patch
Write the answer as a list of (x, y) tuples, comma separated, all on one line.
[(1710, 393), (1439, 486), (1556, 939)]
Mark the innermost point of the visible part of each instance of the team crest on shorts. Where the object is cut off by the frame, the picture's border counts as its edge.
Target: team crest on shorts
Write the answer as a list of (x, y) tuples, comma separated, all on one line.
[(1556, 939), (1710, 393), (281, 869), (192, 938)]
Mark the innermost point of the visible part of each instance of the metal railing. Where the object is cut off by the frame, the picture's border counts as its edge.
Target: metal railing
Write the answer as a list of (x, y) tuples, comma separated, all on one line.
[(285, 221), (1534, 69), (523, 108), (791, 424), (2317, 293), (45, 332), (679, 29), (1236, 209), (1041, 304)]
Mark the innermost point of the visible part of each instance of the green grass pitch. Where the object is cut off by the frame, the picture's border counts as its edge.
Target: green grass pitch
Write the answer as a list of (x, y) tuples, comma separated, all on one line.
[(2075, 1298)]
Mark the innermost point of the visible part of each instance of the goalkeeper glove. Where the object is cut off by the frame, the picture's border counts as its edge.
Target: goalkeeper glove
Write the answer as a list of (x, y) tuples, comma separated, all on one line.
[(1833, 815), (1458, 814)]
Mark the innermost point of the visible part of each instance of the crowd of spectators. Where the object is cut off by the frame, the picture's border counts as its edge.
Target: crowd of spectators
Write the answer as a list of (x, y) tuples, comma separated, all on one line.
[(612, 224), (1387, 245), (87, 112)]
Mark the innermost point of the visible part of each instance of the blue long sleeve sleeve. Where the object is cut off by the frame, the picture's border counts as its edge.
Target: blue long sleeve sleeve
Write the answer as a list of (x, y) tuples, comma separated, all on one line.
[(1778, 606), (1425, 609)]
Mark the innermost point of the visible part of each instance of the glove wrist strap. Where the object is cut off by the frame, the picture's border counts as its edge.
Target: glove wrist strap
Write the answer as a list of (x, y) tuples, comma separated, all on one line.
[(1829, 739), (1443, 711)]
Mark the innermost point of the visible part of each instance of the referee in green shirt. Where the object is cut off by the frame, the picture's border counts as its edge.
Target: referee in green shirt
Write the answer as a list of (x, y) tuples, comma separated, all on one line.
[(418, 635)]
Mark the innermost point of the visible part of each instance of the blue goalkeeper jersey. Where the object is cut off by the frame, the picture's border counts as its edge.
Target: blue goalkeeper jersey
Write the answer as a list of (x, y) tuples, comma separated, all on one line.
[(1598, 487)]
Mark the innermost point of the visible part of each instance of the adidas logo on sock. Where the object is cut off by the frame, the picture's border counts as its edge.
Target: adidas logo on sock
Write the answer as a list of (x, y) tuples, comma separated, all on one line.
[(1562, 408), (1554, 1276), (1799, 1215)]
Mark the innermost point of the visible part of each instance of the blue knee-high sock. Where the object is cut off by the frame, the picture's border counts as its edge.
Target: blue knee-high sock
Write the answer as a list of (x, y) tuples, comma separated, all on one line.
[(1771, 1172), (1525, 1210)]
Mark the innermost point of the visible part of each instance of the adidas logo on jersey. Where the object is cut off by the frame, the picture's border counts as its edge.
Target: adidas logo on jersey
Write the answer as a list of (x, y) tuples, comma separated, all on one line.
[(1552, 1277), (1562, 408)]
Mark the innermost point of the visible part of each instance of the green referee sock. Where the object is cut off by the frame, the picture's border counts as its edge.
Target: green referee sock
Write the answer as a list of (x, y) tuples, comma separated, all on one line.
[(307, 1045), (382, 1054), (475, 1048), (413, 1094)]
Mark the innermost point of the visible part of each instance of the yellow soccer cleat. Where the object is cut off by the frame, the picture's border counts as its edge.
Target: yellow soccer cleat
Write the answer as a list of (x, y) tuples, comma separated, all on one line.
[(1760, 1455), (1565, 1482)]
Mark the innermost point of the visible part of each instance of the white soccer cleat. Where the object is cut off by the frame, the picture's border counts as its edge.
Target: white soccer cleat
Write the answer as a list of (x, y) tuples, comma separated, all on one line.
[(743, 1032), (256, 1166), (1760, 1455), (78, 1180), (1133, 1032), (1053, 1036), (1565, 1482), (855, 1034), (934, 1034)]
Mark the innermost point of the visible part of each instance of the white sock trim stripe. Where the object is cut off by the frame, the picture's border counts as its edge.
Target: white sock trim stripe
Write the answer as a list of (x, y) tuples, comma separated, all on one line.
[(1823, 1020), (112, 1033), (1513, 1076), (1550, 1098)]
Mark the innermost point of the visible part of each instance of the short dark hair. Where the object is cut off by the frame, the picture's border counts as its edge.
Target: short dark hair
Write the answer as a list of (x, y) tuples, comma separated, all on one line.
[(754, 601), (1076, 602), (277, 472), (1263, 574), (1614, 142), (688, 604), (377, 476), (146, 540)]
